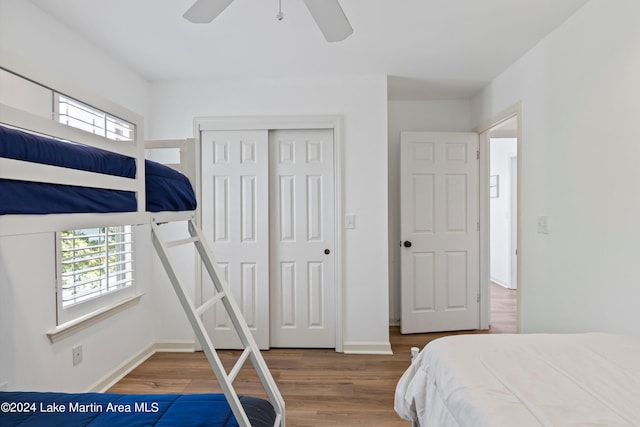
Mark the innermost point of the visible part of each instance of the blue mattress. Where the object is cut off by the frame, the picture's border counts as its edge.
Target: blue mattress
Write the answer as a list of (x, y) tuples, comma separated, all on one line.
[(166, 189), (30, 409)]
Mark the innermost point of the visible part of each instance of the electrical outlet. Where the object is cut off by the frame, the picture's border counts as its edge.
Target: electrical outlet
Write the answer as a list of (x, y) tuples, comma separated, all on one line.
[(77, 354), (4, 386)]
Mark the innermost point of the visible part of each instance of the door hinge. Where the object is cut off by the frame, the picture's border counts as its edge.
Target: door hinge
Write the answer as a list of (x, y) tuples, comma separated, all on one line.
[(477, 154), (478, 298), (478, 226)]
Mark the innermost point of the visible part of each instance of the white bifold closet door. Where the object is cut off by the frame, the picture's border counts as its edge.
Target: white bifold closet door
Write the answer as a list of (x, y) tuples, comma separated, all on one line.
[(268, 212)]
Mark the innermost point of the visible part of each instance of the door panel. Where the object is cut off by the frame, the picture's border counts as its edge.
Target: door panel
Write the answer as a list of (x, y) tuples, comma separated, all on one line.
[(235, 193), (439, 214), (302, 224)]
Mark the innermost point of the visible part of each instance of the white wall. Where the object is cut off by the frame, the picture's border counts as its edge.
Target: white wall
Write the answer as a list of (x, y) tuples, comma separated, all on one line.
[(580, 153), (28, 361), (501, 152), (362, 102), (427, 116), (29, 32)]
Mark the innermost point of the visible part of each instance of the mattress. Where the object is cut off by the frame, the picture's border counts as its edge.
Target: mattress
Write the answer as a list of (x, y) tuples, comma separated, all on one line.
[(26, 409), (523, 380), (166, 189)]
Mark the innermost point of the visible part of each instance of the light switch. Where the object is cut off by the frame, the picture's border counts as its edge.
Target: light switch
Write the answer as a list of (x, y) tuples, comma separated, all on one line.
[(543, 224), (350, 222)]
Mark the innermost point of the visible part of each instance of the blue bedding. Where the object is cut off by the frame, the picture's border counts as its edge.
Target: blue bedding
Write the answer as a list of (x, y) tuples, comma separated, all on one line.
[(31, 409), (166, 189)]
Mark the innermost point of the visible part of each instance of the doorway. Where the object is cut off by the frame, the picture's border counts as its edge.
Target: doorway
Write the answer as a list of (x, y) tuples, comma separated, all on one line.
[(502, 139)]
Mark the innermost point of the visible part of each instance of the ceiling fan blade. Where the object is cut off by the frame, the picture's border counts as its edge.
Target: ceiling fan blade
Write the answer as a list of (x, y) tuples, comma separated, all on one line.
[(330, 19), (205, 11)]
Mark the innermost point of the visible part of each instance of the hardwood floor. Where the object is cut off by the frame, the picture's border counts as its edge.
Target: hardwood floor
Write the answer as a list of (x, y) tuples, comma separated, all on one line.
[(503, 310), (320, 387)]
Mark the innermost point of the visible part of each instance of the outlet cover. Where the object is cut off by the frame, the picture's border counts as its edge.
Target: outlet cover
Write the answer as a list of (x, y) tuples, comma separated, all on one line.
[(77, 355)]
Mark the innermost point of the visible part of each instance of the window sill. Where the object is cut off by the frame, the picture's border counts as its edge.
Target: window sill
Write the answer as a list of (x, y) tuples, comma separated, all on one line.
[(70, 328)]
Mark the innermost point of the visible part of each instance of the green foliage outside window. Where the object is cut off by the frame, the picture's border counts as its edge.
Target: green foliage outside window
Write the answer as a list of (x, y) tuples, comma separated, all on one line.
[(94, 261)]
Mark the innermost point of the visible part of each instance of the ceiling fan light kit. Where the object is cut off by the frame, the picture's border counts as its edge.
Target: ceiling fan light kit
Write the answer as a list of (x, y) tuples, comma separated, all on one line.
[(327, 14)]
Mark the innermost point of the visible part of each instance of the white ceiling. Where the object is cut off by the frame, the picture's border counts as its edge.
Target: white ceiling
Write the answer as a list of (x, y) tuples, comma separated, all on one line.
[(431, 49)]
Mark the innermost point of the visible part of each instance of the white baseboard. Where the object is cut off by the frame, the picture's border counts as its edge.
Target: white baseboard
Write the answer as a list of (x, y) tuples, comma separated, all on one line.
[(176, 346), (367, 348), (501, 283), (129, 365)]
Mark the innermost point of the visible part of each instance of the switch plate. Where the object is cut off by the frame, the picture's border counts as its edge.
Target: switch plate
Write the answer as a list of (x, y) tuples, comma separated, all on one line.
[(543, 224), (350, 222)]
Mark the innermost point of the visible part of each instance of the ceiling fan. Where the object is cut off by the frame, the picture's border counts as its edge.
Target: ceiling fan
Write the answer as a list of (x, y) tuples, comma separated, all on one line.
[(328, 15)]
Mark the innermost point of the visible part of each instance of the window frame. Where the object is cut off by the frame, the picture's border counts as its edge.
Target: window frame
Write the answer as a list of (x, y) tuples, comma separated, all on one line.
[(102, 123), (67, 312)]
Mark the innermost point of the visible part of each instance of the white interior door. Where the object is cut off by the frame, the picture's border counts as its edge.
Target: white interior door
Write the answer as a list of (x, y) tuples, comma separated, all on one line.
[(235, 220), (439, 227), (302, 239)]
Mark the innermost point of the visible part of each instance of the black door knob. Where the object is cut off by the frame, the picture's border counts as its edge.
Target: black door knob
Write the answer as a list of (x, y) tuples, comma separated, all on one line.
[(407, 244), (327, 251)]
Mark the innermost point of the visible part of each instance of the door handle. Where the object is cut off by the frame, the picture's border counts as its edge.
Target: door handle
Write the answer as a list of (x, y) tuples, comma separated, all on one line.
[(327, 251), (407, 244)]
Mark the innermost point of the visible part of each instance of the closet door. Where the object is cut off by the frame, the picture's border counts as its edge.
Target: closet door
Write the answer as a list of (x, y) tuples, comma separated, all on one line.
[(235, 220), (302, 238)]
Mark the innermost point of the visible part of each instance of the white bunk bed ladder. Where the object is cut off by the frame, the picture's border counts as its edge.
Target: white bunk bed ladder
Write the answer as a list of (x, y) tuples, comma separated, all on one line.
[(223, 294)]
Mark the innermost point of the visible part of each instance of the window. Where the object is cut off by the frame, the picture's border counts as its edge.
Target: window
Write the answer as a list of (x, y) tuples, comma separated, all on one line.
[(76, 114), (96, 265), (94, 262)]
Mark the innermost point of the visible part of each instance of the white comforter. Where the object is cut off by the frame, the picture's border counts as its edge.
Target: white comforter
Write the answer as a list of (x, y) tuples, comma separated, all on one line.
[(524, 380)]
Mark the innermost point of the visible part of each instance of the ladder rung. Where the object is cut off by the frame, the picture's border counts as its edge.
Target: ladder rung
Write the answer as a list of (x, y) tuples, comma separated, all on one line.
[(208, 303), (236, 368), (173, 243)]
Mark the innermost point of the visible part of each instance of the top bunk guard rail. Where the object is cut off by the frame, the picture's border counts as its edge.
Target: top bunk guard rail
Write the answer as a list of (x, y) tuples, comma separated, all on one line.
[(30, 171), (188, 155), (35, 172)]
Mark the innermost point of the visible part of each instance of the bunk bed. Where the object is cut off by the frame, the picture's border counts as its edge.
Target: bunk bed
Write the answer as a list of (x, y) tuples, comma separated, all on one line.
[(54, 177), (499, 380)]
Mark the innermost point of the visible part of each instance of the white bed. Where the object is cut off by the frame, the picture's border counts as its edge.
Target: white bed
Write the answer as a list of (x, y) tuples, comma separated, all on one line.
[(590, 379)]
